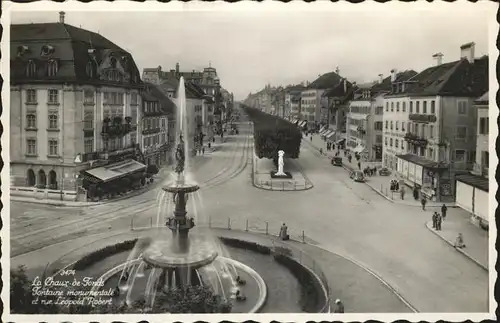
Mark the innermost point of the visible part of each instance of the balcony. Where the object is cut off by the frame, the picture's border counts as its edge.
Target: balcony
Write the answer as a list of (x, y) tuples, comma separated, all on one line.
[(150, 131), (116, 128), (415, 140), (425, 118)]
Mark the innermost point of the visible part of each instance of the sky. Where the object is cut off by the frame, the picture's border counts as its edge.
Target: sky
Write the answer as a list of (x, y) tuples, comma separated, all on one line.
[(250, 48)]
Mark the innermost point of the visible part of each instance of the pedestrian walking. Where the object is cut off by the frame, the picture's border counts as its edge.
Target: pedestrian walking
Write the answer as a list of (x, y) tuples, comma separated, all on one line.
[(311, 138), (443, 211), (439, 220), (339, 306), (423, 201), (415, 193), (402, 192), (321, 151), (434, 220)]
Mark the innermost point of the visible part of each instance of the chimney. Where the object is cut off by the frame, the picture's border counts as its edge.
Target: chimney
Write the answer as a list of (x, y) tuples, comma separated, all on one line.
[(381, 78), (61, 17), (177, 67), (439, 58), (467, 51), (393, 75)]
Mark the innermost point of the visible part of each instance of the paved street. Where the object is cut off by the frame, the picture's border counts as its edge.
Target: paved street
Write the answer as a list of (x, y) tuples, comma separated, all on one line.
[(337, 214)]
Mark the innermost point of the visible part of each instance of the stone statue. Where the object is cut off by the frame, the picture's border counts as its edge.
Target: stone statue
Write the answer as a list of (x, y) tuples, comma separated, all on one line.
[(280, 163), (180, 156)]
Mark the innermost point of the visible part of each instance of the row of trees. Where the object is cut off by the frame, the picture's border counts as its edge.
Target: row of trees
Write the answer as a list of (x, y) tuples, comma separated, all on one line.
[(272, 134)]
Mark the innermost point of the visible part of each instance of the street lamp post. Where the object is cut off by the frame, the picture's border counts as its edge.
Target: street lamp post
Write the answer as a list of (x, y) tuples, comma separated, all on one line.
[(62, 178)]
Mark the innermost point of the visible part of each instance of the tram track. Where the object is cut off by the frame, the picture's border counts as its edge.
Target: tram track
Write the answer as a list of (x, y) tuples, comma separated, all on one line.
[(36, 239)]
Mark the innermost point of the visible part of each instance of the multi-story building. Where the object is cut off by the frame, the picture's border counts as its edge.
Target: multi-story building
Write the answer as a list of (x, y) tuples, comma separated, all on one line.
[(292, 101), (472, 189), (365, 117), (311, 96), (334, 107), (435, 110), (74, 106), (157, 111)]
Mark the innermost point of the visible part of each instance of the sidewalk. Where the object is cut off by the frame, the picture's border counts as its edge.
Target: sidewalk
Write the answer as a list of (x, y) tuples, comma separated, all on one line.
[(380, 184), (163, 173), (475, 238)]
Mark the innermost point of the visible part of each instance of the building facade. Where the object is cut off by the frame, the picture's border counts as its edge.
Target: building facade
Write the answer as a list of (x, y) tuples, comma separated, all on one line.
[(72, 108), (435, 109)]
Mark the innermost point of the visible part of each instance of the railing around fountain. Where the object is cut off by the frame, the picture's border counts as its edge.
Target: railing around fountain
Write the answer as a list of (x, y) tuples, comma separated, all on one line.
[(265, 233)]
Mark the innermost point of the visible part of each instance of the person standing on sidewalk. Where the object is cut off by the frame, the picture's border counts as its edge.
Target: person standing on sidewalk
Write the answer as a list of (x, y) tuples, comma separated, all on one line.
[(339, 306), (439, 220), (423, 201), (434, 220), (402, 192), (443, 211)]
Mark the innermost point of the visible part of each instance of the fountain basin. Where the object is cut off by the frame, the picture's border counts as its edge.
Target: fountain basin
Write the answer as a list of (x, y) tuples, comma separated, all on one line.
[(181, 187), (161, 254)]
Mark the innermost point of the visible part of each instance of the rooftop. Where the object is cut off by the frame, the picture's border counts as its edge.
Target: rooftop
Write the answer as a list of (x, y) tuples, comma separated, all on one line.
[(326, 81)]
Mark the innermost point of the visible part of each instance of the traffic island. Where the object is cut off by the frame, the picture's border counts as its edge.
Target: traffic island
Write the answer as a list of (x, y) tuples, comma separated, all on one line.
[(262, 176)]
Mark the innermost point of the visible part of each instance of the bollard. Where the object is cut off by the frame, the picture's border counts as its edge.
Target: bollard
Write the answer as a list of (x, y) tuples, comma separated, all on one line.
[(267, 227), (303, 237), (246, 229), (229, 223), (132, 224)]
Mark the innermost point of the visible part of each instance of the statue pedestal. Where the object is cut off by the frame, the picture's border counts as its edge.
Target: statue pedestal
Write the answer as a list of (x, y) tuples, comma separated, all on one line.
[(286, 175)]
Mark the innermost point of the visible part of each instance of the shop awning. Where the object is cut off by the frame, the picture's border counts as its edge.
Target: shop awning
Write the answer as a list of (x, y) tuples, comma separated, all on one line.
[(359, 149), (330, 135), (324, 131), (303, 123), (424, 162), (479, 182), (114, 171), (340, 140)]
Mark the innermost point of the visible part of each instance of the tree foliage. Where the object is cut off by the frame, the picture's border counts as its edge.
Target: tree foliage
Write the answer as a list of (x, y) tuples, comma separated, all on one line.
[(272, 134)]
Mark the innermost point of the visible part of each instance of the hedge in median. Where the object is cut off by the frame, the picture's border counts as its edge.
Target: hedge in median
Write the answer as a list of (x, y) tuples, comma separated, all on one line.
[(98, 255)]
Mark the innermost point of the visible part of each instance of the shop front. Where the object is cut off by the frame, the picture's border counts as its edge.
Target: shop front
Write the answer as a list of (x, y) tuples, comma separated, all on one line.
[(430, 178), (114, 179), (472, 195)]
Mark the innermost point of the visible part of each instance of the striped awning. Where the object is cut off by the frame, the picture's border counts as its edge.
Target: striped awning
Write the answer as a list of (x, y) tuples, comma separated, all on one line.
[(340, 140), (330, 135), (322, 132), (303, 123), (110, 172), (327, 133), (322, 129)]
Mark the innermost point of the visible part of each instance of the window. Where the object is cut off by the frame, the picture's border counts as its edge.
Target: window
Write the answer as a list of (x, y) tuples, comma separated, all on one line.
[(404, 106), (402, 145), (402, 126), (31, 121), (483, 126), (53, 96), (431, 131), (461, 132), (397, 107), (163, 123), (416, 129), (460, 155), (417, 107), (390, 142), (387, 107), (88, 97), (53, 124), (133, 138), (31, 69), (133, 98), (392, 106), (433, 107), (51, 68), (88, 120), (53, 147), (31, 146), (105, 97), (424, 107), (397, 125), (378, 125), (88, 145), (411, 107), (392, 125), (396, 143), (386, 140), (31, 96), (424, 131), (386, 124), (114, 97), (91, 69), (462, 107), (133, 115)]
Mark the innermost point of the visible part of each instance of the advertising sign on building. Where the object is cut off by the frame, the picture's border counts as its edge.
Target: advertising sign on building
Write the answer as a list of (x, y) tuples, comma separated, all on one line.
[(418, 174), (411, 172)]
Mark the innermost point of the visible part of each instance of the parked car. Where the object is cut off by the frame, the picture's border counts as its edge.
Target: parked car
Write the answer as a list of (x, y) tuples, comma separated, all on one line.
[(384, 171), (337, 161), (357, 176)]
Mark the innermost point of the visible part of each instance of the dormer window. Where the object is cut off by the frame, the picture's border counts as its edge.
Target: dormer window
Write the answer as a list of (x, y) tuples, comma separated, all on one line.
[(31, 69), (52, 68), (112, 62), (47, 50), (91, 69), (21, 50), (125, 60)]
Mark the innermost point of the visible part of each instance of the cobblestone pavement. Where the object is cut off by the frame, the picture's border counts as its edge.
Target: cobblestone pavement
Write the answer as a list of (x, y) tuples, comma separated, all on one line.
[(344, 217)]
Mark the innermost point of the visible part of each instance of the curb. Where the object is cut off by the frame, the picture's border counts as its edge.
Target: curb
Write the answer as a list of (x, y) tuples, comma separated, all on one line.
[(428, 225)]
